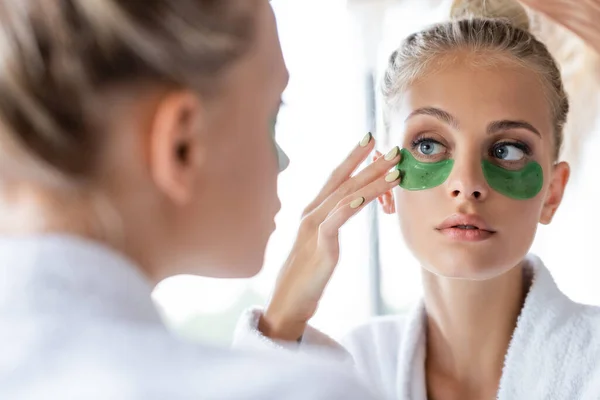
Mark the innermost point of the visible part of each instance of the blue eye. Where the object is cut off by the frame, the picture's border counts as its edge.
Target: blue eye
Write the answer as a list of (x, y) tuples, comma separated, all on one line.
[(508, 152), (430, 147)]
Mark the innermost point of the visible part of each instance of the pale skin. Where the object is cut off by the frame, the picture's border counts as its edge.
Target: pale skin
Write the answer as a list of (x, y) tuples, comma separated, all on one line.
[(473, 291)]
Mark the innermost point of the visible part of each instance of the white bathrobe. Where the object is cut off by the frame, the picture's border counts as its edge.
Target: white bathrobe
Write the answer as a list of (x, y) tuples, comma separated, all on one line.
[(77, 322), (554, 352)]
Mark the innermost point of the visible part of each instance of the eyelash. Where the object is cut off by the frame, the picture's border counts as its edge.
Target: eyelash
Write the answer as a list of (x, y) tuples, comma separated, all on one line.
[(520, 145), (423, 138)]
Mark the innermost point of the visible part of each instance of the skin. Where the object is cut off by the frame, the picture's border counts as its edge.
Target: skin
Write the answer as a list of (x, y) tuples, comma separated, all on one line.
[(512, 94)]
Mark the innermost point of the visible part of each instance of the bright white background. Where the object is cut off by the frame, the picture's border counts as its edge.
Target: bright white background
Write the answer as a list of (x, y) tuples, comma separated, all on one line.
[(324, 118)]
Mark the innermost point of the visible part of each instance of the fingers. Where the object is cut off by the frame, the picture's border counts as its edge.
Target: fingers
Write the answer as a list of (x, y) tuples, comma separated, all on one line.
[(344, 171), (351, 205), (351, 186)]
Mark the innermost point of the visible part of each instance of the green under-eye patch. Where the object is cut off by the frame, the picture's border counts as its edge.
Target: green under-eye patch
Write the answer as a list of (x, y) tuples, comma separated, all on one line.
[(417, 175), (521, 184)]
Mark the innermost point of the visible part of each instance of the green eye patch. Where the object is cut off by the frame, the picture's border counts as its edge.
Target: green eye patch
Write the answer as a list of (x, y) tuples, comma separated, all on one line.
[(521, 184), (417, 175)]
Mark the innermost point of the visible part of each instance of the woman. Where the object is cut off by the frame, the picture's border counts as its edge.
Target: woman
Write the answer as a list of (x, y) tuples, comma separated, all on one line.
[(129, 152), (478, 107)]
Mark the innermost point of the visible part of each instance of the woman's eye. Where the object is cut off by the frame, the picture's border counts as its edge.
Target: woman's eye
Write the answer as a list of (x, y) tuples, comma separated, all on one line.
[(508, 152), (430, 148)]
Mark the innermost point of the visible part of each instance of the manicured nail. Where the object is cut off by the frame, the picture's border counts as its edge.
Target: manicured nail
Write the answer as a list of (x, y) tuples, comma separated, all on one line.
[(357, 203), (392, 153), (366, 140), (392, 176)]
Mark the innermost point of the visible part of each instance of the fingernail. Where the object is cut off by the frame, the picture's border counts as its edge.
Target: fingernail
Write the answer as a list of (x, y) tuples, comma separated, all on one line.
[(357, 203), (366, 140), (392, 176), (392, 153)]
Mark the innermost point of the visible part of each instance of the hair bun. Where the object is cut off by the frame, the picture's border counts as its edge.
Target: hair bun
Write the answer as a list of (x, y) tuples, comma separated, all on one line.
[(509, 10)]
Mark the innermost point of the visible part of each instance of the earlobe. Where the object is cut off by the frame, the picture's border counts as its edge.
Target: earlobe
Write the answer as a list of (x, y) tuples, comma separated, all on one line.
[(175, 145), (559, 180)]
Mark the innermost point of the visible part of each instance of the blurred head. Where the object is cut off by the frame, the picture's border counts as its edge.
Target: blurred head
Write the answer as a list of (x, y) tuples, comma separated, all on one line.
[(145, 123), (470, 90)]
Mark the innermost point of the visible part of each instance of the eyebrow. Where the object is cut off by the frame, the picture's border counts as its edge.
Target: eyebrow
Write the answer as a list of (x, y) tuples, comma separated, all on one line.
[(437, 113), (492, 128), (506, 125)]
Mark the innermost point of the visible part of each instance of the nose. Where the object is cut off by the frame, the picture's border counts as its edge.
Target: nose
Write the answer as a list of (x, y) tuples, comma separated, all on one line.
[(466, 181)]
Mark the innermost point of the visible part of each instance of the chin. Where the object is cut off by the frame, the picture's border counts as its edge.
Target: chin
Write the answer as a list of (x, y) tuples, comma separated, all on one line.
[(250, 269), (468, 265), (246, 264)]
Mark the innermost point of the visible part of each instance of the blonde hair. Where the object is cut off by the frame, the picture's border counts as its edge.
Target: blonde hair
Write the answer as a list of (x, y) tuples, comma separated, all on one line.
[(497, 28), (59, 57)]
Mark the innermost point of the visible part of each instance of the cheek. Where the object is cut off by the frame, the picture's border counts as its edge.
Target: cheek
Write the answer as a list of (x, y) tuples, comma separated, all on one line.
[(243, 165), (520, 216), (251, 149), (260, 168), (416, 211)]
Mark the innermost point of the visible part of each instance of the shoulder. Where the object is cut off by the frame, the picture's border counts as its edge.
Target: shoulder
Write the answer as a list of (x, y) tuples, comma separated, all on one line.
[(556, 343), (224, 373), (376, 344), (133, 362)]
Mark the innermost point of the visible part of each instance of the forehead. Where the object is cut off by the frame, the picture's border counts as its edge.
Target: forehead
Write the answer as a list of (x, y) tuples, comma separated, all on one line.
[(268, 56), (261, 72), (476, 96)]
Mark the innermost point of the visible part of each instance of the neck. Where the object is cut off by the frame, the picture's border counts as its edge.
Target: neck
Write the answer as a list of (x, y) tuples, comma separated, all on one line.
[(28, 209), (469, 327)]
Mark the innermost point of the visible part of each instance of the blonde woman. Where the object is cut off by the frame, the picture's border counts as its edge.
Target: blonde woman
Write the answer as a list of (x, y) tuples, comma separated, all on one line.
[(478, 107)]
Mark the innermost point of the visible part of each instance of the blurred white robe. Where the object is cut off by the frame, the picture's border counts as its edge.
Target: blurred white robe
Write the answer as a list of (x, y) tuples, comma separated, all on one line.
[(77, 322), (554, 352)]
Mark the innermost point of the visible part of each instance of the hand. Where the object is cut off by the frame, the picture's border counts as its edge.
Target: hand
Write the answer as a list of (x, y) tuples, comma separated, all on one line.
[(579, 16), (315, 253)]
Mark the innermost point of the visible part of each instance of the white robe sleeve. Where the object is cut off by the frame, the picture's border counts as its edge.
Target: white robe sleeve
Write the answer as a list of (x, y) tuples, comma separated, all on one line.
[(314, 342)]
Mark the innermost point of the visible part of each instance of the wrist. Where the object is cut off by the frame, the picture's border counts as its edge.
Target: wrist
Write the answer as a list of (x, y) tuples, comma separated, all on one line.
[(277, 328)]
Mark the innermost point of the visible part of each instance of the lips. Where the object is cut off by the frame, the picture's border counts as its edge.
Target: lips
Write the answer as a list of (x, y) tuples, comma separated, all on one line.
[(466, 228)]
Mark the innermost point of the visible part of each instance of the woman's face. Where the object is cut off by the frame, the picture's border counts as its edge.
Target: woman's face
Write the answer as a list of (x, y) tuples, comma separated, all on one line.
[(239, 194), (463, 228)]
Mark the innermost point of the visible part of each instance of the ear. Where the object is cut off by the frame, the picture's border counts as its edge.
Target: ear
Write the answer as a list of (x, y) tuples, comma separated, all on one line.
[(387, 199), (387, 202), (175, 145), (558, 183)]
